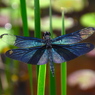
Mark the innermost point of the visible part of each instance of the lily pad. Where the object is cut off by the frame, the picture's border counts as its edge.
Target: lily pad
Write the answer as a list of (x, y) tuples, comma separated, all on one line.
[(88, 20), (69, 5), (56, 23)]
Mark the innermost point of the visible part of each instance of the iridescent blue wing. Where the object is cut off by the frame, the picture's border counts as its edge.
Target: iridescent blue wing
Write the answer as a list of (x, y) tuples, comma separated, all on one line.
[(21, 41), (62, 53), (36, 56), (74, 37)]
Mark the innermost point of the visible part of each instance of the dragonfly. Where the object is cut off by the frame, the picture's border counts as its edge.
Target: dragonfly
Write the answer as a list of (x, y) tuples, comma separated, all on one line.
[(41, 51)]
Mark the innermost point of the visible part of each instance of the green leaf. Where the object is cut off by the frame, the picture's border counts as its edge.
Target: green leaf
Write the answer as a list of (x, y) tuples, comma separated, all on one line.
[(26, 33)]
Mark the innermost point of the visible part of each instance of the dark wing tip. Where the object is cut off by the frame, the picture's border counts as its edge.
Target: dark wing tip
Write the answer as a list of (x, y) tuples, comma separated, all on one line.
[(8, 53), (1, 36), (91, 27), (89, 45)]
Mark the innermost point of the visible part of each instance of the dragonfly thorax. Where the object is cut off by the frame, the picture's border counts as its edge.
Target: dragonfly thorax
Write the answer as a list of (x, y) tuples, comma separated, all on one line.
[(48, 43)]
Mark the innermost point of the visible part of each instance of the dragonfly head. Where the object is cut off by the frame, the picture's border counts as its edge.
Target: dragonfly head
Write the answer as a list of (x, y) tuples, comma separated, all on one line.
[(46, 35)]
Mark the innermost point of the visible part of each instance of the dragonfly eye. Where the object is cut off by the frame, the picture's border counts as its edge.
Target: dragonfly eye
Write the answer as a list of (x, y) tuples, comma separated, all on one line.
[(46, 33)]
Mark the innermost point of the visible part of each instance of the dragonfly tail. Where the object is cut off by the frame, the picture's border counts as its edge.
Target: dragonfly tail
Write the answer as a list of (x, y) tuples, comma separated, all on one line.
[(52, 68)]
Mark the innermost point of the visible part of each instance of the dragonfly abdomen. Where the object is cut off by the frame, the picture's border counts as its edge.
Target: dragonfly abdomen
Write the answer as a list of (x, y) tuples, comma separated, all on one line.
[(51, 60)]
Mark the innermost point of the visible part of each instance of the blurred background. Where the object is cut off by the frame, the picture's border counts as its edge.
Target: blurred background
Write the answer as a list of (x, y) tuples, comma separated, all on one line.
[(14, 78)]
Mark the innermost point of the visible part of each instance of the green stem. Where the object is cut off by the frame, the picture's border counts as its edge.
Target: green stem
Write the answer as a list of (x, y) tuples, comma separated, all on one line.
[(41, 80), (24, 17), (42, 68), (26, 33), (63, 65), (50, 14), (52, 79), (37, 32)]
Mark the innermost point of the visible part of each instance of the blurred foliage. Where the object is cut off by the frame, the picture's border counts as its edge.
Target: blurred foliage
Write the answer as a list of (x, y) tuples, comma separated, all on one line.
[(69, 5), (30, 3), (57, 21), (88, 20)]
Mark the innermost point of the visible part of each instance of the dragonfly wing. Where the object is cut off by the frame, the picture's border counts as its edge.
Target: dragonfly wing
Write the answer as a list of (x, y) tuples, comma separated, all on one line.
[(74, 37), (36, 56), (62, 53), (57, 58), (21, 41)]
